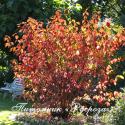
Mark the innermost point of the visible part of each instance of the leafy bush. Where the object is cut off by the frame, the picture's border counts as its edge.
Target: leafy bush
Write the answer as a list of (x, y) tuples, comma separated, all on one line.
[(117, 69), (116, 116), (62, 61)]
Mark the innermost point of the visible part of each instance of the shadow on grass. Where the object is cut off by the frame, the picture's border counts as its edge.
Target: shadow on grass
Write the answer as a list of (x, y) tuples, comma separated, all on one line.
[(6, 112), (7, 103)]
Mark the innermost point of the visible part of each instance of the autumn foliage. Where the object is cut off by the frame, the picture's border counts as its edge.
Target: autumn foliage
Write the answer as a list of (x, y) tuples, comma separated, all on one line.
[(65, 60)]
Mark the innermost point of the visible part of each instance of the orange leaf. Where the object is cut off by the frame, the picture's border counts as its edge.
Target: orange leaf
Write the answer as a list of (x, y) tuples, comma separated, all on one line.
[(7, 44), (16, 37)]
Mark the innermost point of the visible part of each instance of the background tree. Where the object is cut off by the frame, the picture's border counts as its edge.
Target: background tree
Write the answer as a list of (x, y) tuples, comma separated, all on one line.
[(114, 9)]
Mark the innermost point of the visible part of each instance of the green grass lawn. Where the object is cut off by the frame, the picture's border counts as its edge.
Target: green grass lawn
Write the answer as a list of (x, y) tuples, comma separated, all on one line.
[(5, 110)]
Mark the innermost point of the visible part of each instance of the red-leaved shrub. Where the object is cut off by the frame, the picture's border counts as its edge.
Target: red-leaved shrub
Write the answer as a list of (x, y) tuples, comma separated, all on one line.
[(65, 60)]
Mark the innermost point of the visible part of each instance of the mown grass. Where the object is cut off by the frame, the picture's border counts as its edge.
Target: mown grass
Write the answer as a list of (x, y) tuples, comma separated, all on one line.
[(4, 118)]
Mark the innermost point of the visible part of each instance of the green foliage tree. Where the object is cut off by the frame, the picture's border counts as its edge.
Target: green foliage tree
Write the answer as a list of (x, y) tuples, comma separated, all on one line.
[(13, 12), (111, 8), (5, 68)]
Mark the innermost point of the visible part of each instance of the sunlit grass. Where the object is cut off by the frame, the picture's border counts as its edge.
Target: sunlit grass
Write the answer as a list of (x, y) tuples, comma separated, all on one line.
[(5, 118)]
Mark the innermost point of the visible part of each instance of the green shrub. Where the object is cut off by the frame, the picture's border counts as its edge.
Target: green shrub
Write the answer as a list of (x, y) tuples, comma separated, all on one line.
[(116, 116), (5, 68)]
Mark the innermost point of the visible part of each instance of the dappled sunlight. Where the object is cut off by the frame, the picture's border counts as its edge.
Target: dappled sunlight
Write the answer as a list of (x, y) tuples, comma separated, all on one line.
[(8, 117)]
